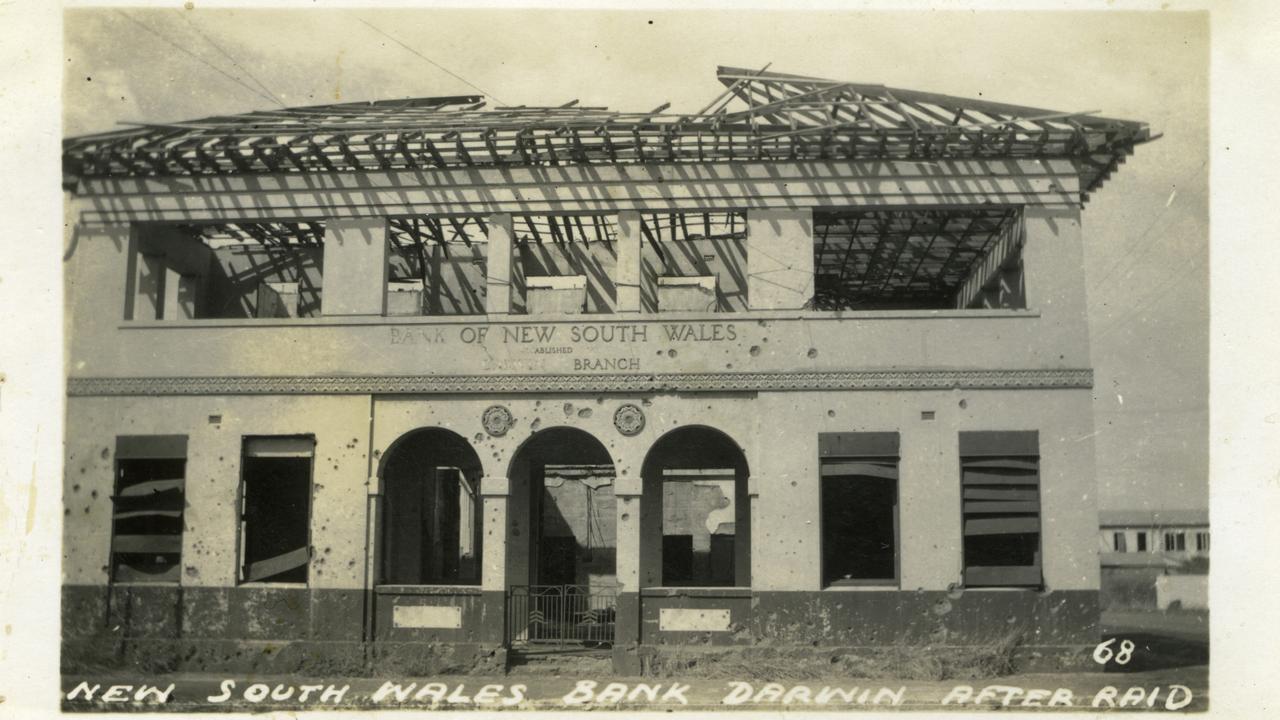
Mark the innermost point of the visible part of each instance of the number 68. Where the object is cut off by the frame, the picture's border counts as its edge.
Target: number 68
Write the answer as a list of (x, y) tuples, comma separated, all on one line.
[(1104, 654)]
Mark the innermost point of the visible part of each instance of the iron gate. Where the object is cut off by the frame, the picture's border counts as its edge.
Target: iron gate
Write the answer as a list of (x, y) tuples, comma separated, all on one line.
[(561, 615)]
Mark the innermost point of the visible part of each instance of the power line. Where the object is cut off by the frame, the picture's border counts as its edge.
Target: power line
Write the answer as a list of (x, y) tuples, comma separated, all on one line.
[(1158, 293), (201, 60), (187, 17), (1136, 247), (433, 62)]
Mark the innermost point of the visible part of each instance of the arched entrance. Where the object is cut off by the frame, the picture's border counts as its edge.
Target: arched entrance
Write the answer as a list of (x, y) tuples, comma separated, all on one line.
[(695, 520), (561, 549), (431, 522)]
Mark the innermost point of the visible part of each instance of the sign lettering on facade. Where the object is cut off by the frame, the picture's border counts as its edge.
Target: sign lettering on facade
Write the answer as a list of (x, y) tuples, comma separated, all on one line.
[(585, 339)]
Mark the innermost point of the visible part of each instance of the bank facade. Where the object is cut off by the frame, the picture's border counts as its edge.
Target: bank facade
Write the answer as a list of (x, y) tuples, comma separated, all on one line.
[(413, 384)]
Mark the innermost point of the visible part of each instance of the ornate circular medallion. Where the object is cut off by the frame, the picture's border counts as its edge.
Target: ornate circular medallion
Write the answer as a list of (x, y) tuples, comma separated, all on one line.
[(496, 420), (629, 419)]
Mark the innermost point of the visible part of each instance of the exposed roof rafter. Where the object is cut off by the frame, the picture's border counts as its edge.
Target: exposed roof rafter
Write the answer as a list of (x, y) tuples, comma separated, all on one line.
[(761, 116)]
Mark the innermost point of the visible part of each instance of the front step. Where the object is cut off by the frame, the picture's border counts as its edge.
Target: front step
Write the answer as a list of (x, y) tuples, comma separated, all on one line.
[(560, 662)]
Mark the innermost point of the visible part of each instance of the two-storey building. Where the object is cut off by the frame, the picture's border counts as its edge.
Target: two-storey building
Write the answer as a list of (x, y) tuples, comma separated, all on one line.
[(403, 384)]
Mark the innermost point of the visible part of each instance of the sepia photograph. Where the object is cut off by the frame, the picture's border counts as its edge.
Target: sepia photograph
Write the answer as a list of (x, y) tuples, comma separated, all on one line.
[(559, 359)]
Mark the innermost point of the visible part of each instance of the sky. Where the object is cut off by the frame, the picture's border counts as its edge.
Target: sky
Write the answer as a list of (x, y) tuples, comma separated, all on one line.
[(1146, 230)]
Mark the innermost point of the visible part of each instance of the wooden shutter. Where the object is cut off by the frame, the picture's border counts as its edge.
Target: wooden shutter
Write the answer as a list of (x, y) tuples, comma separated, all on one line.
[(1000, 477), (151, 447), (146, 512)]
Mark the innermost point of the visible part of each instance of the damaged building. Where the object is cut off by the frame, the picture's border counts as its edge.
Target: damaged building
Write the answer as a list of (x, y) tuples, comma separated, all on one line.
[(413, 385)]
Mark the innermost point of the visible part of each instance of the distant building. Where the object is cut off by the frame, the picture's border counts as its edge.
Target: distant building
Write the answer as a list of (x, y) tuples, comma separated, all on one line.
[(404, 384), (1138, 547)]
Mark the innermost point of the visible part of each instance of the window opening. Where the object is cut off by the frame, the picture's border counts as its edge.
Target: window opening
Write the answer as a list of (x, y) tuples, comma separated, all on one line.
[(275, 510), (226, 270), (885, 259), (859, 496), (1001, 497), (698, 527), (431, 512), (437, 265), (147, 508), (1118, 542), (693, 262)]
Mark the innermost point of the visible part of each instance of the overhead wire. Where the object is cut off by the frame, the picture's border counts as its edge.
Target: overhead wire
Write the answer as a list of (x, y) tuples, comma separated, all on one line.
[(199, 59), (446, 70), (1137, 247), (1148, 299), (234, 62)]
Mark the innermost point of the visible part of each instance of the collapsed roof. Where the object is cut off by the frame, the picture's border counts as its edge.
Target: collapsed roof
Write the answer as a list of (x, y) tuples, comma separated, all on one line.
[(760, 117)]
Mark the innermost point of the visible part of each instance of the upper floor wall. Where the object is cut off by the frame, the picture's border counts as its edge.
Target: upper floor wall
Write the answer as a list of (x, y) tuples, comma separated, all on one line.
[(952, 265)]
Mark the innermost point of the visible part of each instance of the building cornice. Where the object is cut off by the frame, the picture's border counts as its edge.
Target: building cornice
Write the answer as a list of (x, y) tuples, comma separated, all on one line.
[(585, 382)]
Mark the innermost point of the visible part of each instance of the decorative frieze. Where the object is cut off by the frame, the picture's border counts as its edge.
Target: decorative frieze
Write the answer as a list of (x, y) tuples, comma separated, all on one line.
[(586, 382)]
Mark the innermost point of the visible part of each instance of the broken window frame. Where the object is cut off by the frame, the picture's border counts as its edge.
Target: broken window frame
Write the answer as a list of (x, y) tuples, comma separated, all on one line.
[(272, 447), (429, 575), (134, 501), (1001, 468), (422, 243), (875, 453), (690, 477), (903, 257), (666, 237), (183, 288)]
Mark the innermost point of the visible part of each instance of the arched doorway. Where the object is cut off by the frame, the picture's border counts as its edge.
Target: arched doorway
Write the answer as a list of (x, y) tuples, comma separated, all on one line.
[(695, 519), (561, 550), (431, 511)]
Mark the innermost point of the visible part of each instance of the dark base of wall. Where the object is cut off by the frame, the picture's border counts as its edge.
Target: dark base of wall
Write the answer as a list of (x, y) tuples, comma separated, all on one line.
[(932, 635), (905, 662), (302, 658)]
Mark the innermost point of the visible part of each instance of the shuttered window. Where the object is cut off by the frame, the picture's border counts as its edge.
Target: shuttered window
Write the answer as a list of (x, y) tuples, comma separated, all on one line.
[(1001, 496), (275, 509), (146, 523), (859, 481)]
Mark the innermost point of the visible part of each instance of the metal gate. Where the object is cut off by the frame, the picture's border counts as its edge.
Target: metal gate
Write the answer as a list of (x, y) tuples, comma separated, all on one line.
[(561, 615)]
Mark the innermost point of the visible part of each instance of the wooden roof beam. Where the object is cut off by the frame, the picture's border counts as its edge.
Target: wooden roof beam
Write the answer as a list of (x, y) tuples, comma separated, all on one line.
[(402, 147), (490, 141), (460, 230), (229, 150), (848, 253), (522, 147), (902, 248), (372, 143), (419, 248), (955, 251), (347, 154), (434, 152), (460, 148)]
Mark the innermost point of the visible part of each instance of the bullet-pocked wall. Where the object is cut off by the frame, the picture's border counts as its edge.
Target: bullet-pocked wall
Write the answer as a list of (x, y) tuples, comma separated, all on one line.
[(773, 380), (928, 595), (213, 608)]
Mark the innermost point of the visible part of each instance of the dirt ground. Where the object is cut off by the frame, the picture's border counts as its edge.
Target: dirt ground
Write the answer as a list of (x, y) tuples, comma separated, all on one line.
[(1167, 668)]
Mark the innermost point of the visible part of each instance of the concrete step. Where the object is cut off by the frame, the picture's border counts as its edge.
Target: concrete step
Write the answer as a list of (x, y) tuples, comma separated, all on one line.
[(560, 662)]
